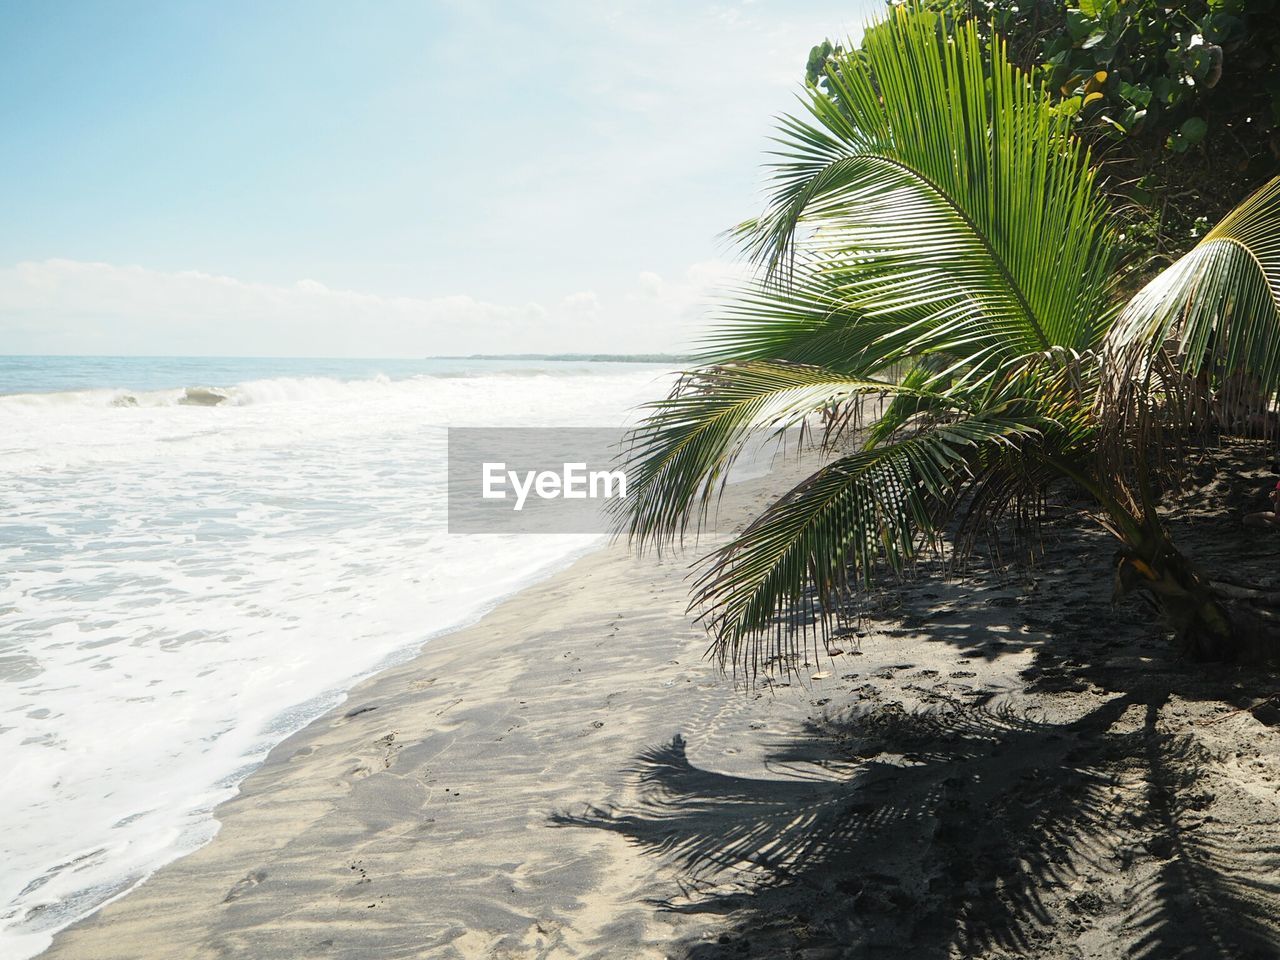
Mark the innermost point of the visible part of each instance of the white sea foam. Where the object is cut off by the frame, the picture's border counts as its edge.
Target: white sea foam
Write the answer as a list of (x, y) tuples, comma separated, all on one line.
[(183, 586)]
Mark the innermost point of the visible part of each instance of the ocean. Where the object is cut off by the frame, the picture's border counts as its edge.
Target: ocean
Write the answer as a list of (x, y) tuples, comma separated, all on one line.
[(198, 556)]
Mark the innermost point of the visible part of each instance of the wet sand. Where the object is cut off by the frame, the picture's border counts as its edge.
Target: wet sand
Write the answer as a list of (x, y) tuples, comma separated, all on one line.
[(1000, 766)]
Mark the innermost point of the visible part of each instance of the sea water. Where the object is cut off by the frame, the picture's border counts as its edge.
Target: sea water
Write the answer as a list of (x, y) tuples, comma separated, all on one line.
[(197, 557)]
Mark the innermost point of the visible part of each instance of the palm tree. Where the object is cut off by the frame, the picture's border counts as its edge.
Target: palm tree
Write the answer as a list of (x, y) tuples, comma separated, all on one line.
[(936, 249)]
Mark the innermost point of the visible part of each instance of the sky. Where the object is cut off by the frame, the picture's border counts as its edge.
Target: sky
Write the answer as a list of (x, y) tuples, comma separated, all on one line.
[(390, 179)]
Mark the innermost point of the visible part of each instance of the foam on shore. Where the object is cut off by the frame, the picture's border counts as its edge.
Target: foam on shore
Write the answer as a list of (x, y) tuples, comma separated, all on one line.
[(186, 584)]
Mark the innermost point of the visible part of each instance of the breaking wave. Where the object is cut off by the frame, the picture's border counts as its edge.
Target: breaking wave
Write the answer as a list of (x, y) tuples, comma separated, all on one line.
[(189, 575)]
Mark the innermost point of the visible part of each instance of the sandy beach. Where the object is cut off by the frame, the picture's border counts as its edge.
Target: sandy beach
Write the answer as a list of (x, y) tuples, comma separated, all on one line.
[(303, 304), (997, 766)]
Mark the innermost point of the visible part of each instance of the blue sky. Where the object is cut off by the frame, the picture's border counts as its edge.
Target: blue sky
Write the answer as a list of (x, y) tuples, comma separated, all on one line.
[(386, 179)]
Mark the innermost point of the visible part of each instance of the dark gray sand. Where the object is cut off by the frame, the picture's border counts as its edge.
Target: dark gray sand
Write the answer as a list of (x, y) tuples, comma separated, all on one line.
[(1000, 766)]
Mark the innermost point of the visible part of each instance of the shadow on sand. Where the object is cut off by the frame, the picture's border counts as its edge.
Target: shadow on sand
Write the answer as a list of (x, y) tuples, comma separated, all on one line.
[(1132, 828), (961, 832)]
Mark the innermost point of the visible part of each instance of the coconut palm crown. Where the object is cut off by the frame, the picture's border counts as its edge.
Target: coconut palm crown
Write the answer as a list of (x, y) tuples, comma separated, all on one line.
[(935, 247)]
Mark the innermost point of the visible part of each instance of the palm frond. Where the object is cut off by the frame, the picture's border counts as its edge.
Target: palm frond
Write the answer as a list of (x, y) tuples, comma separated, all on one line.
[(807, 320), (1216, 311), (780, 583), (943, 195), (933, 236), (907, 405), (680, 455)]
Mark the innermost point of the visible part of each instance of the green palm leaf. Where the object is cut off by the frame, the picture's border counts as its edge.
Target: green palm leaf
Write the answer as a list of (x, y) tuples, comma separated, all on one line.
[(783, 579), (680, 455), (1218, 307), (941, 193), (809, 320), (934, 236)]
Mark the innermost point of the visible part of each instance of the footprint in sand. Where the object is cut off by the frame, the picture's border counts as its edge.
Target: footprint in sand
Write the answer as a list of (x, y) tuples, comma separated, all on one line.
[(244, 885)]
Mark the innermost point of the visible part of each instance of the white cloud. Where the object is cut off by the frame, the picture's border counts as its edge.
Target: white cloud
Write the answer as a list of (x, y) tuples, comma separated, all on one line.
[(584, 301), (693, 289), (70, 306), (672, 112), (628, 136), (651, 283)]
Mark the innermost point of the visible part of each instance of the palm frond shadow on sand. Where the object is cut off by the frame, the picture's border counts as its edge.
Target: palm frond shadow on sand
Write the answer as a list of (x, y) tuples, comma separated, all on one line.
[(960, 832)]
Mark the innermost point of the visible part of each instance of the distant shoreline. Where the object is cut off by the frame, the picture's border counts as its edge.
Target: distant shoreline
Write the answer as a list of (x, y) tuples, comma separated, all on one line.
[(573, 357), (68, 374)]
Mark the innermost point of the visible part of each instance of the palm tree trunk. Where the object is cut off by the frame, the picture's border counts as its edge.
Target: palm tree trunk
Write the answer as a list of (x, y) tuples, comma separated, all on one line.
[(1201, 623), (1211, 622)]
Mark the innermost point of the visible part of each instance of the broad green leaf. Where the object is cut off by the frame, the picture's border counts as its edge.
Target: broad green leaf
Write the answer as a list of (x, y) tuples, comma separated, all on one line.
[(1193, 130)]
